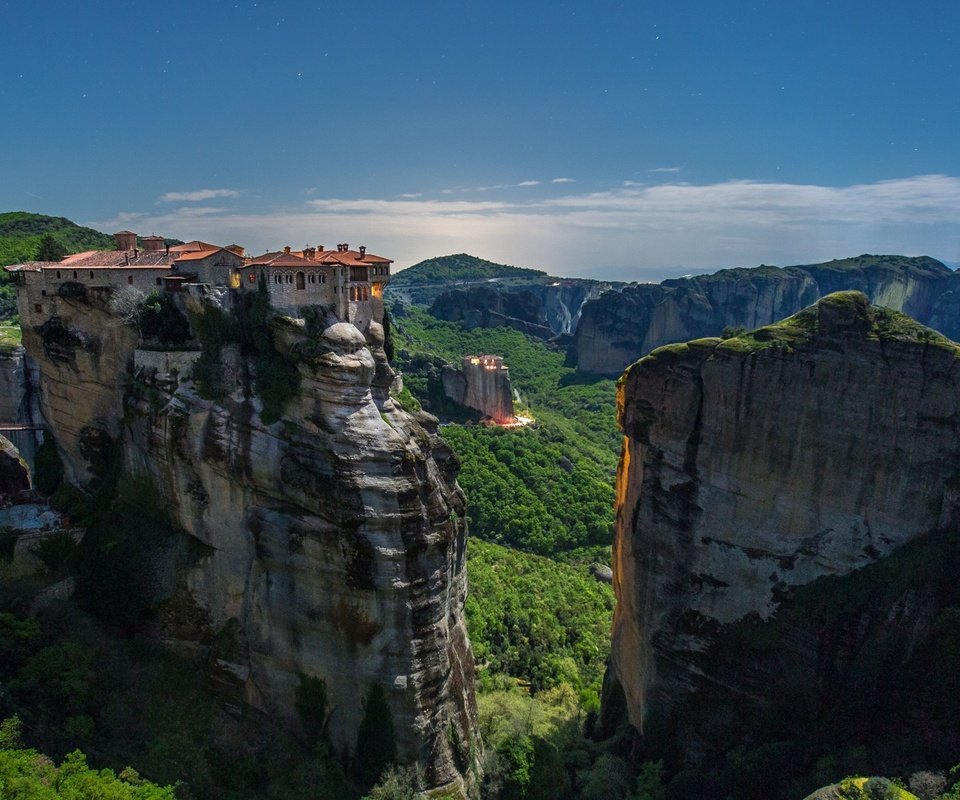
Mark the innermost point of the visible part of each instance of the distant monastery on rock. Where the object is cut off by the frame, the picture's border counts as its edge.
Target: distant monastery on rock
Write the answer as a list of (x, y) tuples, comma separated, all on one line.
[(348, 283)]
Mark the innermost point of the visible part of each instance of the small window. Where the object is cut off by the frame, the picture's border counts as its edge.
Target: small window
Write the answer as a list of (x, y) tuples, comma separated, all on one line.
[(58, 274), (252, 277), (323, 278), (38, 308), (74, 274), (91, 274), (159, 281), (301, 281), (130, 279)]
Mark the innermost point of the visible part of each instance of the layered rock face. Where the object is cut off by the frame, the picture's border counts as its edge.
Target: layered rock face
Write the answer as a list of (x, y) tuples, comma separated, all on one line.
[(545, 308), (19, 404), (328, 545), (760, 463), (620, 326), (483, 384)]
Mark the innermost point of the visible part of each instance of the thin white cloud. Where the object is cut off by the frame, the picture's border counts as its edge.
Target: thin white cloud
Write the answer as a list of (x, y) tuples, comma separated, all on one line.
[(197, 196), (664, 169), (411, 195), (632, 232), (563, 180), (529, 183)]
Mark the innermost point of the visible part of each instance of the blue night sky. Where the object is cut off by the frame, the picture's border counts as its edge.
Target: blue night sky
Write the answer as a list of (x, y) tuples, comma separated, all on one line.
[(611, 139)]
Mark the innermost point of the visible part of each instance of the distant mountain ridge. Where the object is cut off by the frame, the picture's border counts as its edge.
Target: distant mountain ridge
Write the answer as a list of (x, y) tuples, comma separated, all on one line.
[(620, 326)]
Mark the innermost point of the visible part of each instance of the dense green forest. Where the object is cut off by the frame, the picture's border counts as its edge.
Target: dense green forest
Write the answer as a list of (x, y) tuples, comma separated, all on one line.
[(546, 489), (21, 233)]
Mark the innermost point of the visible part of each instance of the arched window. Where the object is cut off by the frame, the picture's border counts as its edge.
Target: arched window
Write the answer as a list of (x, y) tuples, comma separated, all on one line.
[(313, 278), (323, 278), (301, 281), (276, 278), (58, 274), (91, 274)]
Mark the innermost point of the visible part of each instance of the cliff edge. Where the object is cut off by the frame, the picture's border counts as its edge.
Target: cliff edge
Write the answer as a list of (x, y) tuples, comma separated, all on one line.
[(319, 554), (758, 464)]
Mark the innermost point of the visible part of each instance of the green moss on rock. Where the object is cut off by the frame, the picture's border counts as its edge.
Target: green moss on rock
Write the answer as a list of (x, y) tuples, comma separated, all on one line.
[(863, 789)]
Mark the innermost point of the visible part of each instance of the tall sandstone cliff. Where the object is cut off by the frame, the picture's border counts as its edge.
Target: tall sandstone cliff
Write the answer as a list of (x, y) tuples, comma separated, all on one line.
[(759, 464), (329, 544), (621, 326)]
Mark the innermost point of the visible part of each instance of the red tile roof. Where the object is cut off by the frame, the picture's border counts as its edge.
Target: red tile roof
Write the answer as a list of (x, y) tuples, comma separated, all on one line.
[(113, 259), (196, 255), (281, 259), (196, 244)]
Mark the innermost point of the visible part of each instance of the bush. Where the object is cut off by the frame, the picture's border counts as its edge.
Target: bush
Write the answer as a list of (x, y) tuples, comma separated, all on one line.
[(162, 320)]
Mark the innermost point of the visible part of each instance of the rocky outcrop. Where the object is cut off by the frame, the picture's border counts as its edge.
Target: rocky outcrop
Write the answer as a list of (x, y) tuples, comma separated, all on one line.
[(14, 472), (759, 464), (621, 326), (483, 384), (328, 545)]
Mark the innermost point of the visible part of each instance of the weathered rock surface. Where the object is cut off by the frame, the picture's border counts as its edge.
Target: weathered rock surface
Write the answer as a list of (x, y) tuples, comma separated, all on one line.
[(621, 326), (483, 384), (330, 544), (544, 308), (19, 404), (761, 463)]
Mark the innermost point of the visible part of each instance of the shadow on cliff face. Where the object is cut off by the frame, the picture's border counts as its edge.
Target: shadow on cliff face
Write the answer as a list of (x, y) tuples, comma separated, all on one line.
[(854, 675)]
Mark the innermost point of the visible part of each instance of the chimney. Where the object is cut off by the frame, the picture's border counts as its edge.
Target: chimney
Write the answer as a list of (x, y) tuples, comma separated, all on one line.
[(363, 250), (309, 253), (126, 240), (286, 250)]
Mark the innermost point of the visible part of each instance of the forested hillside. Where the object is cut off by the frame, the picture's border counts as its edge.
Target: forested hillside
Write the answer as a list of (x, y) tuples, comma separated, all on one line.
[(459, 267), (21, 232)]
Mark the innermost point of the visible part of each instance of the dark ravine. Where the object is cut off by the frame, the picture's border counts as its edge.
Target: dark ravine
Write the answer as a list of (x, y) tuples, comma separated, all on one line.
[(620, 326), (787, 525), (329, 544)]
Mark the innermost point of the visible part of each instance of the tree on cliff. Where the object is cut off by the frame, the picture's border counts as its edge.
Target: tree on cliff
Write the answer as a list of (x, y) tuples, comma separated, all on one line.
[(50, 249)]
